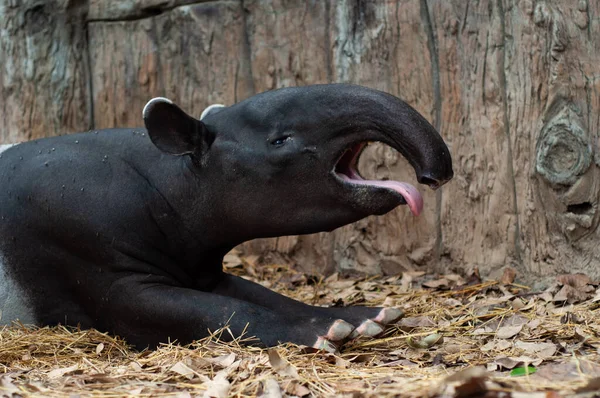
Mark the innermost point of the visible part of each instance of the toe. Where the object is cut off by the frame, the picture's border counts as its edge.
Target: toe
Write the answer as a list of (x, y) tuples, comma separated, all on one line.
[(325, 345), (337, 333), (388, 315), (369, 328), (339, 330)]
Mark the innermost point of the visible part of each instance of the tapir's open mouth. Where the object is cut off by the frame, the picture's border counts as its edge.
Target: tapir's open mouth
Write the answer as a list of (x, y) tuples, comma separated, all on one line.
[(346, 170)]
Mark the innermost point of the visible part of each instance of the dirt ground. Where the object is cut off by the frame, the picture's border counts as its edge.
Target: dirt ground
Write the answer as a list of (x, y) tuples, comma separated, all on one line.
[(460, 337)]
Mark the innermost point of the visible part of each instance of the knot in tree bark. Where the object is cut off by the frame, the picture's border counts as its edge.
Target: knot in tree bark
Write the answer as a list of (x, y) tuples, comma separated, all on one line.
[(563, 150)]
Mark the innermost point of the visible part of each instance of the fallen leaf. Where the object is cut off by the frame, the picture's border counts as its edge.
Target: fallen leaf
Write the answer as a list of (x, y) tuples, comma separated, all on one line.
[(534, 324), (581, 335), (8, 388), (506, 332), (271, 389), (232, 260), (56, 373), (450, 302), (436, 284), (223, 360), (496, 345), (296, 389), (541, 350), (426, 342), (280, 365), (99, 348), (341, 362), (466, 374), (135, 366), (218, 387), (575, 280), (508, 276), (522, 371), (572, 294), (182, 369), (593, 385), (473, 387), (570, 317), (513, 362), (517, 304), (473, 279), (417, 321)]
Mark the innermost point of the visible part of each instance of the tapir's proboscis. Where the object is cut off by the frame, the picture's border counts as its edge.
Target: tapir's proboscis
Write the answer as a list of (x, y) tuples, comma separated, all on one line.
[(125, 230)]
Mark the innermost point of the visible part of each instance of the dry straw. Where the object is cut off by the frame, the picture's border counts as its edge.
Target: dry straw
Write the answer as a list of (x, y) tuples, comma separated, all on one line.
[(459, 339)]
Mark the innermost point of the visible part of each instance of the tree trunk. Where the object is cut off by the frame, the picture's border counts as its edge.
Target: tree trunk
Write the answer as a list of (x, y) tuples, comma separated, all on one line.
[(513, 87)]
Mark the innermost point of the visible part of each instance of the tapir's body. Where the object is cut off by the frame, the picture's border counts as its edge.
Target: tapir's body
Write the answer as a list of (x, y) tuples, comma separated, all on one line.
[(124, 230)]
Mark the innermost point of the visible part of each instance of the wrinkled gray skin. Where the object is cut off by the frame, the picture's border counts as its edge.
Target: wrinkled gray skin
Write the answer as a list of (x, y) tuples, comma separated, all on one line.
[(125, 230)]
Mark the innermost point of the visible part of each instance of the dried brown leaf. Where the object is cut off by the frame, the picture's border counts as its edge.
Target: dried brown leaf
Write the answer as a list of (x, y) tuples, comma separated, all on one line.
[(7, 387), (542, 350), (512, 362), (572, 294), (574, 280), (534, 324), (593, 385), (182, 369), (296, 389), (60, 372), (417, 321), (426, 342), (508, 276), (496, 345), (218, 387), (473, 387), (223, 360), (436, 284), (270, 389), (466, 374), (506, 332), (280, 365)]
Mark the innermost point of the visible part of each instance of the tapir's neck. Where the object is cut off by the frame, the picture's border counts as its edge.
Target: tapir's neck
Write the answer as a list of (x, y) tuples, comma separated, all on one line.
[(198, 206)]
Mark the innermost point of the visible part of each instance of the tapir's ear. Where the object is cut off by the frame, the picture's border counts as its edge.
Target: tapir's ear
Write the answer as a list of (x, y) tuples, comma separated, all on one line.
[(174, 131), (211, 110)]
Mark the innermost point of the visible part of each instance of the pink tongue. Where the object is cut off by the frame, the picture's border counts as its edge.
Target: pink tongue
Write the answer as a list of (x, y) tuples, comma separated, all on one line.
[(413, 197)]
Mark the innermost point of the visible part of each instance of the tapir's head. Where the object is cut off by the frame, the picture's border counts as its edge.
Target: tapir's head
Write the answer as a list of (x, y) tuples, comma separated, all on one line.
[(285, 161)]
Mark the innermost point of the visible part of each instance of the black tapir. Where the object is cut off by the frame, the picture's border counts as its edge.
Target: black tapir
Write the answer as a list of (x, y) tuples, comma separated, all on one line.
[(125, 230)]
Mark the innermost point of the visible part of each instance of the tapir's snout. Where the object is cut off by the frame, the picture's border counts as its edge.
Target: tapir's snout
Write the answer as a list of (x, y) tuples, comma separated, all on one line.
[(374, 115), (435, 168)]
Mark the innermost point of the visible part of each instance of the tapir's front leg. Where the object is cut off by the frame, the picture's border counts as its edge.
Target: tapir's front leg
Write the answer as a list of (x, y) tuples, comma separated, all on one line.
[(368, 321), (150, 313)]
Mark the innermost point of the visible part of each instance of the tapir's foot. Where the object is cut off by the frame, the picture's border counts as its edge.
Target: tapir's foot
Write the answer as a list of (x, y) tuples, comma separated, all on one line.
[(322, 333), (370, 321), (339, 332)]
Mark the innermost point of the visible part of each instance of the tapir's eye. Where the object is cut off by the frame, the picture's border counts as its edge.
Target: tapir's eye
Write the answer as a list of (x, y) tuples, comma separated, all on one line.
[(280, 140)]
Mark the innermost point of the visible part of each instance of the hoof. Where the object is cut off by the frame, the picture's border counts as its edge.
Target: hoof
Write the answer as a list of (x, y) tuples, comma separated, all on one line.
[(388, 315), (339, 330), (337, 333), (325, 345), (369, 328)]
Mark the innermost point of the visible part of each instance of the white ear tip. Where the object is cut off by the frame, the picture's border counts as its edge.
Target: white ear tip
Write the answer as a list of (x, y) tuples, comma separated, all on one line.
[(210, 108), (152, 102)]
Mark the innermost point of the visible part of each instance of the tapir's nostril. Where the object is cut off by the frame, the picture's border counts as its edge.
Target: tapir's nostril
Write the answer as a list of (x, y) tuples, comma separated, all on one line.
[(432, 182)]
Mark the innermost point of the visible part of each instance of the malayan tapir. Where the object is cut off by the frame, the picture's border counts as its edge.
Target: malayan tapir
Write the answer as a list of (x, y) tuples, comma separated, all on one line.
[(125, 230)]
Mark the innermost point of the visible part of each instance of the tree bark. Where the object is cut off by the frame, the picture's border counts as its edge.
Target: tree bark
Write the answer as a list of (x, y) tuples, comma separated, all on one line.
[(195, 54), (44, 86)]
